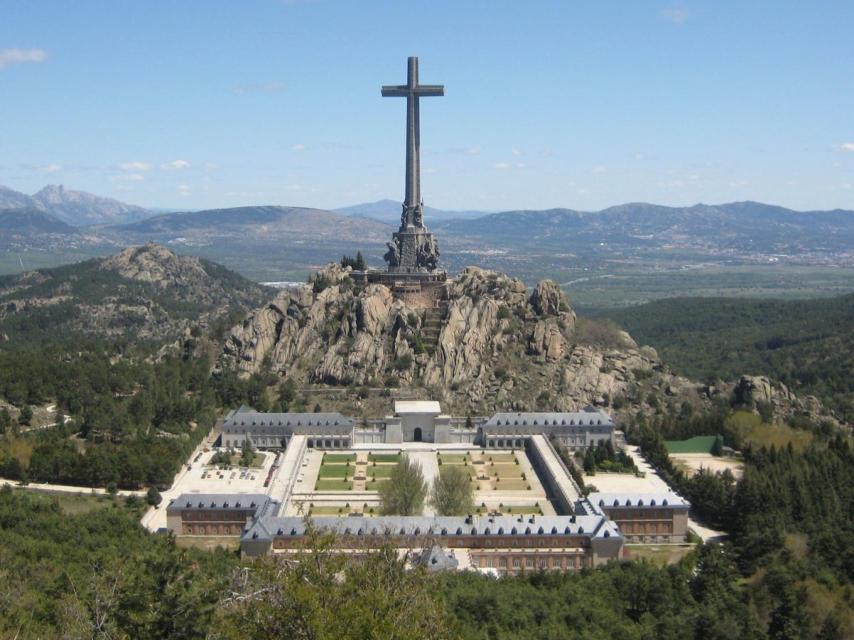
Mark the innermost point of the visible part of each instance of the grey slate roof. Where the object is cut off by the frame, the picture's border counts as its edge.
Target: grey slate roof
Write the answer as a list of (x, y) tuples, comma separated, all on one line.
[(593, 526), (435, 558), (651, 499), (527, 421), (259, 502), (247, 417)]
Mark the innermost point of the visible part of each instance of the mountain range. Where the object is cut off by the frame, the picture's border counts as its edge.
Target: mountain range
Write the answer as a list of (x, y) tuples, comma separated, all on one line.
[(76, 208), (388, 211), (274, 243), (745, 226)]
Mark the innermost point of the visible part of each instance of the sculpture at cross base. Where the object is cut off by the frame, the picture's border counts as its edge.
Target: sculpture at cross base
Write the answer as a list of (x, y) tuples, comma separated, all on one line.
[(413, 248)]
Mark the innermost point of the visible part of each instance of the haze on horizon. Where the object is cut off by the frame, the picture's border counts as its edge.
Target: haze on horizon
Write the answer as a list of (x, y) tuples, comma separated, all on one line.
[(278, 102)]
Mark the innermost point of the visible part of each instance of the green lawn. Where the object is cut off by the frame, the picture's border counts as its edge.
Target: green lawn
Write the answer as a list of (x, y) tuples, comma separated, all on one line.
[(392, 458), (501, 458), (374, 485), (697, 444), (522, 509), (333, 485), (512, 485), (453, 458), (336, 471), (330, 511), (339, 458), (506, 470), (380, 471)]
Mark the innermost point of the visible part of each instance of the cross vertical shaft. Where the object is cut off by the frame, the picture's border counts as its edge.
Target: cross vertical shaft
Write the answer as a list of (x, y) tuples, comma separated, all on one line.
[(412, 211), (413, 144)]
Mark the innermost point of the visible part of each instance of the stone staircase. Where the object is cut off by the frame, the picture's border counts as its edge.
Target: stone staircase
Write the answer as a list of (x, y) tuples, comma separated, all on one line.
[(431, 328)]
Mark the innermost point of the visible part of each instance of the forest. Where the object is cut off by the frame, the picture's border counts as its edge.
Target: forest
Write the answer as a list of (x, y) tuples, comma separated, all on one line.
[(131, 421), (807, 345)]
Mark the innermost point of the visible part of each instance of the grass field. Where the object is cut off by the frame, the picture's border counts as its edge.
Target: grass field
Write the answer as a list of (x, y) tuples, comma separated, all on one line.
[(380, 471), (335, 471), (374, 485), (501, 458), (506, 470), (333, 485), (697, 444), (339, 458), (334, 510), (79, 503), (664, 554), (752, 430), (512, 484), (387, 458), (520, 509), (454, 458)]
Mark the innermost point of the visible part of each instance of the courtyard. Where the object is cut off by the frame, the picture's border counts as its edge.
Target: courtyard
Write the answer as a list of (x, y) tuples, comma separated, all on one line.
[(345, 483)]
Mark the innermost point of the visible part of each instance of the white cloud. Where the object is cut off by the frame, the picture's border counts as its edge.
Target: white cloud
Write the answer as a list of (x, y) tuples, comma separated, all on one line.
[(175, 164), (11, 57), (599, 169), (50, 168), (264, 87), (299, 146), (676, 15), (128, 177), (183, 190), (739, 183), (134, 166), (502, 166), (847, 146), (515, 151), (845, 185), (473, 150)]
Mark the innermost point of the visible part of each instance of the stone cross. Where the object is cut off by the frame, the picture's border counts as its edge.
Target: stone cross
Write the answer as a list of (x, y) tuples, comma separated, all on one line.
[(412, 215)]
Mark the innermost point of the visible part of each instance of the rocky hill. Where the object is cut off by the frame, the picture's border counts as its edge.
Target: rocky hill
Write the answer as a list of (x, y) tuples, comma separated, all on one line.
[(496, 345), (142, 294)]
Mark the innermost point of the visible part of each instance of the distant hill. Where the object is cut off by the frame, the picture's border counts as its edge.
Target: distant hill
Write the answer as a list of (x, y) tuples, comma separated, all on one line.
[(10, 199), (806, 344), (388, 211), (741, 227), (29, 221), (264, 222), (76, 208), (141, 294)]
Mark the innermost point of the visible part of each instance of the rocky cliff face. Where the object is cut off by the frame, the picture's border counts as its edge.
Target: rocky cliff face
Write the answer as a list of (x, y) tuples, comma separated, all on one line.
[(495, 345)]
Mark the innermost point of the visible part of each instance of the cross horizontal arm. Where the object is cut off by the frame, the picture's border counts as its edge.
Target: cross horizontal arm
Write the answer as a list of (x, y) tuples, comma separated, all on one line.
[(430, 90), (395, 91)]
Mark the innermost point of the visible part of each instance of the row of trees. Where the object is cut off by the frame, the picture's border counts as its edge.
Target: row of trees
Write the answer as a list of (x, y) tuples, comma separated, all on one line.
[(405, 492)]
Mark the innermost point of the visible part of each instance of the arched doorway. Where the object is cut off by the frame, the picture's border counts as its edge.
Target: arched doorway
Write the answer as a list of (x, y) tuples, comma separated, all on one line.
[(417, 434)]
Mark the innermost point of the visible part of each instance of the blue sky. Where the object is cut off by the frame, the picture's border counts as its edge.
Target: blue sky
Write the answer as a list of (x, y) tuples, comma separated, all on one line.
[(211, 103)]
